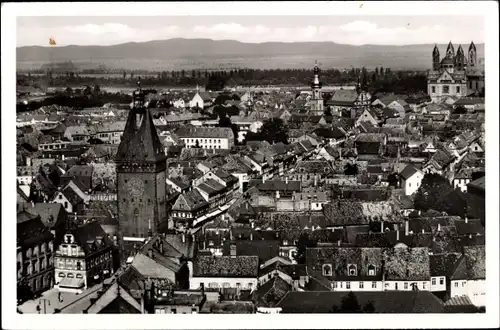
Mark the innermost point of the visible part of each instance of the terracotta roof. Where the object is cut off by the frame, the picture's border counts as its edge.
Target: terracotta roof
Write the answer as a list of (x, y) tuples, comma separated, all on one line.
[(226, 266)]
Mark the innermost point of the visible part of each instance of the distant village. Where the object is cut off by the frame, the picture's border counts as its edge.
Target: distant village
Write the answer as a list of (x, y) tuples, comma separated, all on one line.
[(269, 200)]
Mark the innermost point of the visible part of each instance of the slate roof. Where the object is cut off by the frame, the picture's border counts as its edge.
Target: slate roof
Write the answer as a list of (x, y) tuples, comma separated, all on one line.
[(443, 264), (408, 172), (205, 132), (370, 137), (156, 267), (479, 183), (275, 185), (140, 145), (192, 200), (263, 249), (341, 258), (226, 266), (383, 302)]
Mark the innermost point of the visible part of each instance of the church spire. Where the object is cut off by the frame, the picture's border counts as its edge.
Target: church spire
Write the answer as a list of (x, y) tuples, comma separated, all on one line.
[(450, 51), (140, 141)]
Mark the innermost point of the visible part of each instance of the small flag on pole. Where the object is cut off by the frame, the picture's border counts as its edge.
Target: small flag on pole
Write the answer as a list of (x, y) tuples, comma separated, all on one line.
[(52, 41)]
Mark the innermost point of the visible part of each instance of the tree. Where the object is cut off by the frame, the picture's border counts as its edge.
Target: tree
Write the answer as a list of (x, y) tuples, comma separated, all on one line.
[(435, 192), (327, 112), (351, 169), (460, 110), (368, 307), (350, 304), (303, 243), (393, 180), (274, 130)]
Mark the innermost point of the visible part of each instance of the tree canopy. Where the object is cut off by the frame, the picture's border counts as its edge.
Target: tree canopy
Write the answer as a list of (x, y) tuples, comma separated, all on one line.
[(303, 243), (436, 193), (351, 169), (273, 130), (350, 304)]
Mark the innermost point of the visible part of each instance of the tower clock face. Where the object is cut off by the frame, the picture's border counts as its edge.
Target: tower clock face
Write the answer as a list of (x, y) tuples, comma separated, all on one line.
[(135, 187)]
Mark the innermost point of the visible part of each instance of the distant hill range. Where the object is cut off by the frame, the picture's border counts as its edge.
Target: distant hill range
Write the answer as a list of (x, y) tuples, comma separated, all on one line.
[(220, 54)]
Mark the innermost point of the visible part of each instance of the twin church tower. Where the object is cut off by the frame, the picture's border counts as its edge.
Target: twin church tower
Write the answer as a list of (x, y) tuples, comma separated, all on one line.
[(452, 61)]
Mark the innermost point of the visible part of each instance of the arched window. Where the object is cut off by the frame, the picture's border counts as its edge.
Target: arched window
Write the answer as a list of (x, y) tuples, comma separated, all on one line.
[(137, 227), (352, 271), (327, 270)]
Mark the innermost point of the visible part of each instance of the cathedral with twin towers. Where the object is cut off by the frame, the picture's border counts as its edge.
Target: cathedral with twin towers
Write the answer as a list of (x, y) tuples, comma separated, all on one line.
[(456, 74)]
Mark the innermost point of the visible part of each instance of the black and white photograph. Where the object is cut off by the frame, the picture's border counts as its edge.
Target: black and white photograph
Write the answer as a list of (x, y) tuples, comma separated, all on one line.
[(290, 159)]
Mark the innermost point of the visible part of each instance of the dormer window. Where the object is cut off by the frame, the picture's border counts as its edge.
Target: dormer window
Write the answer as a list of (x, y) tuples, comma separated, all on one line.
[(327, 270), (371, 270), (352, 270)]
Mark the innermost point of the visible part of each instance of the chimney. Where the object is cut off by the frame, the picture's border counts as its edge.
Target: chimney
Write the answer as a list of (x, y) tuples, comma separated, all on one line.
[(263, 179), (466, 219), (419, 212), (233, 250), (470, 236), (32, 204), (423, 231), (286, 180), (277, 194), (338, 242), (382, 226), (340, 153), (161, 247), (315, 180), (150, 253), (407, 227), (251, 236), (439, 227), (397, 235), (183, 237)]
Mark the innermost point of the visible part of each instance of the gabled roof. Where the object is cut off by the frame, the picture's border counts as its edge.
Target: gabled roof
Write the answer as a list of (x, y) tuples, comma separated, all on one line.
[(114, 292), (408, 172), (51, 214)]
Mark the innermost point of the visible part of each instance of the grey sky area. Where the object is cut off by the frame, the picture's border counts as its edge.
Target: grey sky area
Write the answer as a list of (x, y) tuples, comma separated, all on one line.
[(357, 30)]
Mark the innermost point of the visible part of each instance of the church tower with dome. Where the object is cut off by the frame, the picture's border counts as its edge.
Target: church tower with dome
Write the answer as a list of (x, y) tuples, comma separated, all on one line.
[(141, 174), (316, 101)]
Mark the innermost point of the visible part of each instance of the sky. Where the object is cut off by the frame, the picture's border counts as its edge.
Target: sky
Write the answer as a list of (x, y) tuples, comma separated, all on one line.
[(355, 30)]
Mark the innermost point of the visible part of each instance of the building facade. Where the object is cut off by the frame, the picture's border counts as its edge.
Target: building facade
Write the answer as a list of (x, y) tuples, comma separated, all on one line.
[(455, 74)]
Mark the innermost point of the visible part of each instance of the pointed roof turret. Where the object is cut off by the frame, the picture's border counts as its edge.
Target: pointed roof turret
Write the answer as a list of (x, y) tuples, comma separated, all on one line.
[(316, 83), (460, 51), (450, 49), (436, 50), (140, 144), (472, 46)]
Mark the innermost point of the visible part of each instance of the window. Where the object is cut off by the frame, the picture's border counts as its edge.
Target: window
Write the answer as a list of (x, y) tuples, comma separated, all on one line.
[(361, 285), (174, 311), (62, 275), (70, 275), (374, 285), (65, 205), (347, 285), (463, 284), (334, 285), (458, 89), (60, 196), (433, 281), (327, 270), (441, 281), (371, 270), (194, 310), (423, 285), (446, 89), (396, 286), (433, 88), (406, 286), (352, 270), (78, 265)]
